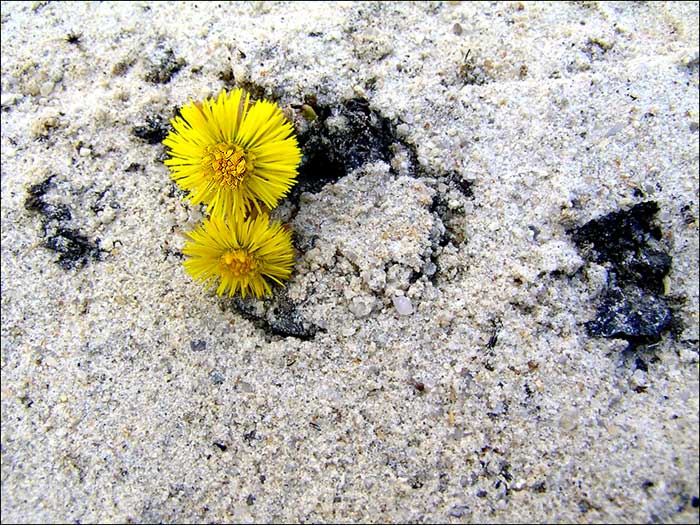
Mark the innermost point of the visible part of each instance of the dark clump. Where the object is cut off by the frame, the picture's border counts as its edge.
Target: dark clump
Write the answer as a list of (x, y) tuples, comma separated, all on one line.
[(73, 38), (75, 249), (687, 214), (626, 242), (162, 71), (35, 202), (439, 207), (331, 151), (198, 345), (154, 131), (280, 317), (257, 92), (584, 506), (622, 239), (464, 186), (37, 192), (631, 313), (640, 364), (227, 77), (540, 487), (342, 138)]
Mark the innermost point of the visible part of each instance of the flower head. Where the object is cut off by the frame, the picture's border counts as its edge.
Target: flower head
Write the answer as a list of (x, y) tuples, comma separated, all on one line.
[(232, 154), (242, 255)]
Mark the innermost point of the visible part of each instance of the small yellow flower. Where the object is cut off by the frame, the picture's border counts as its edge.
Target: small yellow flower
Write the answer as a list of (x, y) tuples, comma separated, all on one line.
[(232, 154), (241, 255)]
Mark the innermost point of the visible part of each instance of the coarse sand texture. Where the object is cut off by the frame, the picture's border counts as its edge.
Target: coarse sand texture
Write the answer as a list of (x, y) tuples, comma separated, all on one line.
[(455, 245)]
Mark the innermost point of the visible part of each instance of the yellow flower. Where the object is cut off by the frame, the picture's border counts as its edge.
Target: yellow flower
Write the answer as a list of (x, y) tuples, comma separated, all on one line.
[(241, 255), (233, 154)]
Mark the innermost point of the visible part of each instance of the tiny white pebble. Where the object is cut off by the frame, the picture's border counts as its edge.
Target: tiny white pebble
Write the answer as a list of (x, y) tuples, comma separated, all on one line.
[(360, 306), (46, 88), (403, 305), (430, 268), (84, 152)]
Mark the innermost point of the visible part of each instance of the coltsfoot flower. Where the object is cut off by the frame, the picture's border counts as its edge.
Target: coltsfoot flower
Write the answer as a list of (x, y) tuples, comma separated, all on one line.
[(242, 255), (232, 154)]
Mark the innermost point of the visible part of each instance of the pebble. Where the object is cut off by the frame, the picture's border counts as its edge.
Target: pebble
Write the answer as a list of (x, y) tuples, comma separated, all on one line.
[(46, 88), (361, 306), (403, 305)]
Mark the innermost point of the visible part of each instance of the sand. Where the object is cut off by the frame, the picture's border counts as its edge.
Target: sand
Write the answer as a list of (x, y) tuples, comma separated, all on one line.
[(447, 350)]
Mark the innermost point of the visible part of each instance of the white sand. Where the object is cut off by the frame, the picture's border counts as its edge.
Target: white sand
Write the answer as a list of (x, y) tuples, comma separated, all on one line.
[(130, 395)]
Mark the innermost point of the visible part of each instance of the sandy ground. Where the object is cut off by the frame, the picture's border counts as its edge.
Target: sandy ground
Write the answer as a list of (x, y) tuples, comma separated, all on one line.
[(455, 345)]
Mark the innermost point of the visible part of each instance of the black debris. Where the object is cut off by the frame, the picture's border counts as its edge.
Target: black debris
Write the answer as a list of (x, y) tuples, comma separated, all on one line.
[(257, 91), (623, 240), (280, 317), (540, 487), (165, 67), (51, 212), (633, 306), (75, 249), (354, 135), (153, 131), (631, 313), (687, 214), (217, 377), (73, 38), (464, 186), (198, 345), (640, 364)]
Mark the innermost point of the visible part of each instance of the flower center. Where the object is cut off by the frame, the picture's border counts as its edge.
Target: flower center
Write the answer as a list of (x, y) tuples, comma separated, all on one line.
[(226, 163), (238, 262)]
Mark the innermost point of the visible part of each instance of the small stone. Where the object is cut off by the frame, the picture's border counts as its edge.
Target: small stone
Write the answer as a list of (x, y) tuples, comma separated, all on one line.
[(639, 379), (217, 377), (85, 152), (198, 345), (361, 306), (459, 510), (402, 130), (403, 305), (46, 88), (631, 313)]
